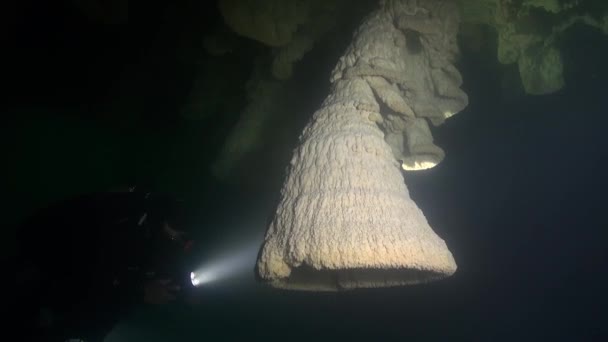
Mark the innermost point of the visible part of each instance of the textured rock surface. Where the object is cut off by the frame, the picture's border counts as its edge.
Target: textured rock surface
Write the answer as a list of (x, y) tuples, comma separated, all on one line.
[(263, 102), (528, 33), (345, 219), (291, 26), (406, 58), (272, 22)]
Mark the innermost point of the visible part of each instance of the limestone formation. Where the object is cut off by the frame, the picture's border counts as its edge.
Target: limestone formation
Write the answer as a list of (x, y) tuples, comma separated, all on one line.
[(345, 219), (528, 32)]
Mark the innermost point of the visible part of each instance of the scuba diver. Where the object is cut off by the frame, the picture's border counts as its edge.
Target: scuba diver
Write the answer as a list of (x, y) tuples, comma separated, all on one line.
[(89, 260)]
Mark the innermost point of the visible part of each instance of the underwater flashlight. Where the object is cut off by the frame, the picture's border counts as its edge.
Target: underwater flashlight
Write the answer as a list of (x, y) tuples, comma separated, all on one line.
[(236, 261), (194, 279)]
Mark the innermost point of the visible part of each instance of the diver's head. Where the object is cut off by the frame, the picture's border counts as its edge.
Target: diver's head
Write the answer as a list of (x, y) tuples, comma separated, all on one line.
[(168, 237), (162, 220)]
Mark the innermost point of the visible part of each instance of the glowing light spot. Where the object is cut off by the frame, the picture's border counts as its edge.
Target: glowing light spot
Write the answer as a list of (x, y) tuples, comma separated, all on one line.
[(194, 279), (238, 260)]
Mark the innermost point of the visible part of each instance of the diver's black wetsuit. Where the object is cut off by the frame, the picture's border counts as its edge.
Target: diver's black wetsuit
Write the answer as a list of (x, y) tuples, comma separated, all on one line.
[(91, 256)]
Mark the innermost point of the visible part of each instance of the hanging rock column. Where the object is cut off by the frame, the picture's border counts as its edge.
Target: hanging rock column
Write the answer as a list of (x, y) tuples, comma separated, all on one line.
[(345, 219)]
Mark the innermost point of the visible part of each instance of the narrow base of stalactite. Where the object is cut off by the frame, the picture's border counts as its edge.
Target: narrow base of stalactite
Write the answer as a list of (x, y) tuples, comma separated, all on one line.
[(305, 278)]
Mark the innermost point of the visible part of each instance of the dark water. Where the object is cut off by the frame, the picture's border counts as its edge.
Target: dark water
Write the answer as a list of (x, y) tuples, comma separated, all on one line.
[(519, 198)]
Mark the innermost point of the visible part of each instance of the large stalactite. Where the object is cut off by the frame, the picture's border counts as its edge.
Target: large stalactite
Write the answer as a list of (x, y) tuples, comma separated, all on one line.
[(345, 219)]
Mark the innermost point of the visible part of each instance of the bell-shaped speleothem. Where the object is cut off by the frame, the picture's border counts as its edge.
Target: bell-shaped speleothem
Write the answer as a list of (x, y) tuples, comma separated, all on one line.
[(345, 219)]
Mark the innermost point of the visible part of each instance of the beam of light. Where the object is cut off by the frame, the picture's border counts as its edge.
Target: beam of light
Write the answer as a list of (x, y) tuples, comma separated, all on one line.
[(236, 260)]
